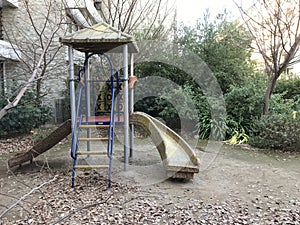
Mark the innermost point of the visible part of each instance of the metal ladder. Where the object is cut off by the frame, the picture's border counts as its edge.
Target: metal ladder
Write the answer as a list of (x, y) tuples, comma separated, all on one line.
[(82, 123)]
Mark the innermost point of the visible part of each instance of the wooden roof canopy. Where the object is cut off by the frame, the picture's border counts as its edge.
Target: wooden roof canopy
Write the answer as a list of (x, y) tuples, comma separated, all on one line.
[(100, 37)]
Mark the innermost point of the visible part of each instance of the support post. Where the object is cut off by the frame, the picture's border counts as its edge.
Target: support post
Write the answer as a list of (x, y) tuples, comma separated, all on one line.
[(131, 106), (72, 86), (88, 100), (126, 114)]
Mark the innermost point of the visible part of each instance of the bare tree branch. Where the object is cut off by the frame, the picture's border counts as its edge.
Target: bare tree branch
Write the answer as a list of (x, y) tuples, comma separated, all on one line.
[(132, 15), (26, 195), (34, 61), (274, 26)]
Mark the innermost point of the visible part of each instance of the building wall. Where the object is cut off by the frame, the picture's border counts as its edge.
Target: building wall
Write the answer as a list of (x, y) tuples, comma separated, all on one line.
[(18, 29)]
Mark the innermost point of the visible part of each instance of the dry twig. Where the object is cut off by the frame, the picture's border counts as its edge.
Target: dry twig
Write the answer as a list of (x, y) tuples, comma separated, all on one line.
[(24, 196)]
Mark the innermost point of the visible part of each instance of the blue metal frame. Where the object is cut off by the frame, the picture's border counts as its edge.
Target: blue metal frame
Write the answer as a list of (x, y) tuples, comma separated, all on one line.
[(76, 131)]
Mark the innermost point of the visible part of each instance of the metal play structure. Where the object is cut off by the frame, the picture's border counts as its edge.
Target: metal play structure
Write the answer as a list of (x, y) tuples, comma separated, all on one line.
[(100, 106), (104, 99), (97, 40)]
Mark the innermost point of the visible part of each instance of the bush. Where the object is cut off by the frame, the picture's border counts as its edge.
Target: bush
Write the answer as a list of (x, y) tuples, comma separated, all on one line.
[(207, 127), (27, 115), (277, 131), (193, 108), (289, 88), (244, 104), (280, 129)]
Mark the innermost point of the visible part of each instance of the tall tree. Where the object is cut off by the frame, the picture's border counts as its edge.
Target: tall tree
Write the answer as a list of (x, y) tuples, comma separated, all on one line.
[(274, 26), (222, 45)]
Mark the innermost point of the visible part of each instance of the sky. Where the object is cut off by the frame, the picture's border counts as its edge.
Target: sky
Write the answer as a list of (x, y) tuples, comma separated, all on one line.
[(190, 10)]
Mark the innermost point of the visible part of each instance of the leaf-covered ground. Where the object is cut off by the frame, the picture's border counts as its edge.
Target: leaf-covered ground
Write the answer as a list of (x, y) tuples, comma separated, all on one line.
[(240, 187), (92, 203), (17, 144)]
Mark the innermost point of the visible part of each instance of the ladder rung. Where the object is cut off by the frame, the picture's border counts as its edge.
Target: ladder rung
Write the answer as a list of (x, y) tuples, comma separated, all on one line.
[(91, 167), (91, 153), (94, 126), (92, 139)]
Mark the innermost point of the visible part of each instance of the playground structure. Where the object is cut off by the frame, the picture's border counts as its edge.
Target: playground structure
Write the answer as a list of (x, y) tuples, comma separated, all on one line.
[(105, 100)]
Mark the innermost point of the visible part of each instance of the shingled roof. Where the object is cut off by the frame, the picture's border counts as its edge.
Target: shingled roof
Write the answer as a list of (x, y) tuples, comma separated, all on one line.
[(100, 37)]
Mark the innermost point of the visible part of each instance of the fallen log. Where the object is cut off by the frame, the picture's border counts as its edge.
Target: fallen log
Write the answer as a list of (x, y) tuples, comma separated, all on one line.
[(42, 146)]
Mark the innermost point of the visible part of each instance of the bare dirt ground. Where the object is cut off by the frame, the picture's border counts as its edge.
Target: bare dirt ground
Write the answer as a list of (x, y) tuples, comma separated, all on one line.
[(240, 186)]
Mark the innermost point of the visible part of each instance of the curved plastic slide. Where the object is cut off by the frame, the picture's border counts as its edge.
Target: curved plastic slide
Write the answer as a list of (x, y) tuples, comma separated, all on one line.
[(179, 159)]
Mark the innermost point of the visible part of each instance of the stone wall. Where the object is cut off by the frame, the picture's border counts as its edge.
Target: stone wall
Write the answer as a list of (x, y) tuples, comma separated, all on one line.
[(18, 29)]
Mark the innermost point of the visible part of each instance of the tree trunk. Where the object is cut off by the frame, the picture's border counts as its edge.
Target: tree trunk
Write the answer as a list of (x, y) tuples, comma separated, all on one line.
[(56, 136), (269, 91), (5, 110)]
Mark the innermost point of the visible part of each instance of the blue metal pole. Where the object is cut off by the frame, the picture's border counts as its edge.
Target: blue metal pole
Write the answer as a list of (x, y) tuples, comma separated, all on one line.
[(87, 98)]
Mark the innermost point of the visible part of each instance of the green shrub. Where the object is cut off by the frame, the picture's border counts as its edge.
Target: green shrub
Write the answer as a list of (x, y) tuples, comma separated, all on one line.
[(244, 108), (207, 126), (289, 88), (182, 100), (243, 105), (192, 105), (281, 128), (282, 106), (29, 113), (277, 131)]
